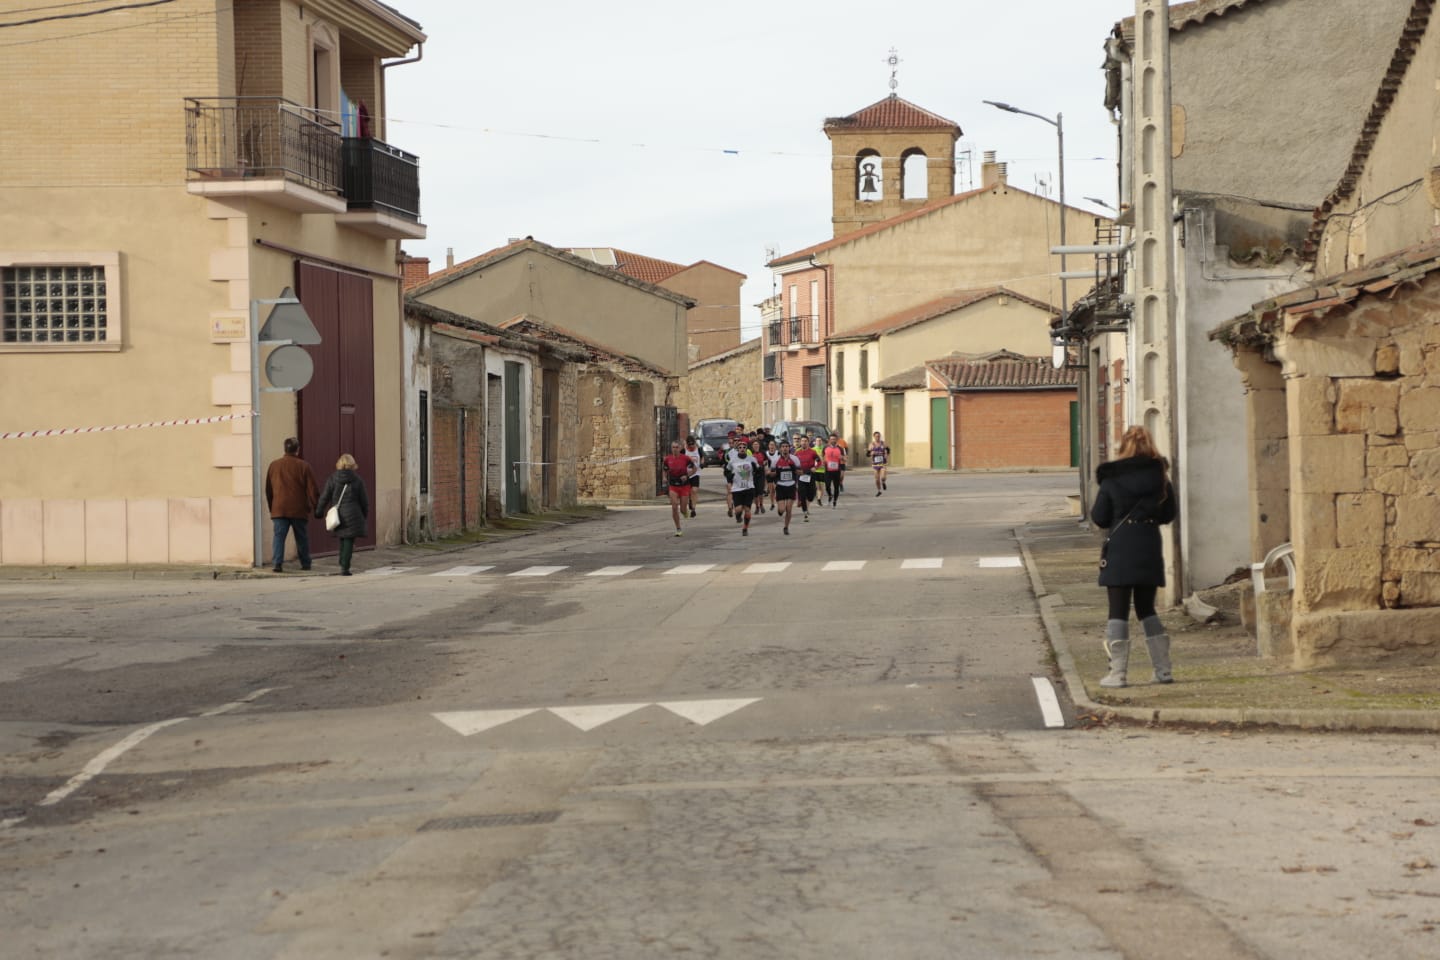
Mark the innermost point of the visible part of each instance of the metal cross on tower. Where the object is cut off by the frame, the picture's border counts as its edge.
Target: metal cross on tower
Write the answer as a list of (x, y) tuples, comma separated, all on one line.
[(894, 61)]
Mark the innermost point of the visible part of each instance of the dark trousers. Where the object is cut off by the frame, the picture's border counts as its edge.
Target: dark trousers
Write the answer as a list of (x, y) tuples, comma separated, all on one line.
[(832, 484), (301, 526), (347, 550), (1120, 602)]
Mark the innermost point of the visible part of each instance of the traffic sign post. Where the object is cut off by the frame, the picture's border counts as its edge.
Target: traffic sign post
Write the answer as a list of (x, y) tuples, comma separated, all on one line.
[(288, 368)]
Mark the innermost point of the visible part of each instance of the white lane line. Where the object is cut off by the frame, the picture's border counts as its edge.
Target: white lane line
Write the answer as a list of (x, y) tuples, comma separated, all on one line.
[(588, 718), (923, 563), (690, 569), (462, 571), (994, 562), (110, 754), (1049, 703), (611, 571), (844, 565), (385, 571), (536, 571), (766, 567)]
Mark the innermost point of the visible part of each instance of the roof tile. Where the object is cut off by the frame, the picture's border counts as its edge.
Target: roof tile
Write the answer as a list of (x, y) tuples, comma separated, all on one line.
[(892, 113), (1004, 372)]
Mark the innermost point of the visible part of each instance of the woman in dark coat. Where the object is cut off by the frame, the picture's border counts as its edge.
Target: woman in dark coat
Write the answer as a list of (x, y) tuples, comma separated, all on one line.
[(347, 490), (1135, 499)]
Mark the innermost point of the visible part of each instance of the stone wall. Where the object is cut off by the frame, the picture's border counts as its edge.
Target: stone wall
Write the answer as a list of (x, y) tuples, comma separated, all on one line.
[(617, 421), (1363, 418), (725, 386)]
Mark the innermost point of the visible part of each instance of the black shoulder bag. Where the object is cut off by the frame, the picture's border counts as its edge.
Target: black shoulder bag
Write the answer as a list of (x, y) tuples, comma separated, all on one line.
[(1105, 546)]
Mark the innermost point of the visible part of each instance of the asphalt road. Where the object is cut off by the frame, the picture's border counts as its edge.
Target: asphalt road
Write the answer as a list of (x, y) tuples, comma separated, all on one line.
[(605, 741)]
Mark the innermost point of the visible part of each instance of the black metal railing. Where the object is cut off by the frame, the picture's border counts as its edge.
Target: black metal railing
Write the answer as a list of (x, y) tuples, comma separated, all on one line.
[(774, 335), (230, 138), (380, 177), (792, 330)]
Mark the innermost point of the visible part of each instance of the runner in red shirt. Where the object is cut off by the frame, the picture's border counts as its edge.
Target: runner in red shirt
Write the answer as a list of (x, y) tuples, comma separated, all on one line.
[(786, 470), (678, 469), (805, 487)]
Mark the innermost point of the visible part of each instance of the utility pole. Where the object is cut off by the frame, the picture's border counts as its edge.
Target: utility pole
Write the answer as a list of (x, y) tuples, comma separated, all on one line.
[(1152, 334)]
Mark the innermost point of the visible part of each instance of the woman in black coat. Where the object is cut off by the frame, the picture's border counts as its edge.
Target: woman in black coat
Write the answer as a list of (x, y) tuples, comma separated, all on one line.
[(1135, 499), (346, 490)]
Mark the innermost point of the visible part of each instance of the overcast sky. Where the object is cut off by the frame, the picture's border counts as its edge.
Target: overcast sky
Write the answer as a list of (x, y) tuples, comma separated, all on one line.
[(610, 124)]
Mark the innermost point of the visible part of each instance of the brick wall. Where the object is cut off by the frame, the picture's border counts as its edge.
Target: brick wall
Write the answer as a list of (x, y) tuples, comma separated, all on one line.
[(445, 471), (1013, 429)]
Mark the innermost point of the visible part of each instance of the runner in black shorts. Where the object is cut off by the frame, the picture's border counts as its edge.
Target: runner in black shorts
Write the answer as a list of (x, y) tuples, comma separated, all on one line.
[(692, 450), (787, 478), (805, 486)]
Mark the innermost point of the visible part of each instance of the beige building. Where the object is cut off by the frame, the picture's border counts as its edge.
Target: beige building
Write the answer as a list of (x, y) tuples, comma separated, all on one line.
[(1343, 394), (971, 322), (713, 323), (158, 186)]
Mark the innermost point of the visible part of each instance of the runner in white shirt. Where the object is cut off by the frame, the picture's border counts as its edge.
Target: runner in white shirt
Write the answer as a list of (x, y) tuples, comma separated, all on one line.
[(745, 473), (692, 450)]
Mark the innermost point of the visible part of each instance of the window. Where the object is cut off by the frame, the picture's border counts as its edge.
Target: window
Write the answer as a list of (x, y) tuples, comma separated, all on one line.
[(839, 370), (770, 367), (840, 421), (59, 302), (864, 369), (914, 174)]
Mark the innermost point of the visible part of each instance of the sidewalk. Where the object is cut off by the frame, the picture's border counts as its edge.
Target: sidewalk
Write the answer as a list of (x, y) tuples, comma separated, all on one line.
[(1219, 679)]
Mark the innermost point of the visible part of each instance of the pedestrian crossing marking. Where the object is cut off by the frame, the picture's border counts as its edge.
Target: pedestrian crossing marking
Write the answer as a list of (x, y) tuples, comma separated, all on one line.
[(690, 569), (462, 571), (468, 722), (766, 567), (588, 718), (834, 565), (993, 562), (387, 571), (701, 712), (923, 563), (611, 571), (536, 571)]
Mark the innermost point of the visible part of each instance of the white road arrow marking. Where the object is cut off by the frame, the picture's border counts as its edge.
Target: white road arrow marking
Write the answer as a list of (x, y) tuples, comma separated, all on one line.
[(923, 563), (702, 712), (1001, 562), (844, 565), (467, 722), (611, 571), (461, 571), (588, 718)]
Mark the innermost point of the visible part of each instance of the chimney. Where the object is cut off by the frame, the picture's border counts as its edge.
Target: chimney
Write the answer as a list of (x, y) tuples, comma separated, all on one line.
[(992, 173), (449, 257), (413, 270)]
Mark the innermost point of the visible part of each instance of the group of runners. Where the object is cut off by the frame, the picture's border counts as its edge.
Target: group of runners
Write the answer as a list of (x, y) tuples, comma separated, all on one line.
[(758, 469)]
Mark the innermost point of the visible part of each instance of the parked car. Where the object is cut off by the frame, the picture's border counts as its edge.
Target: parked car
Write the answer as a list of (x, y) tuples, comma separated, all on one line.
[(793, 430), (712, 436)]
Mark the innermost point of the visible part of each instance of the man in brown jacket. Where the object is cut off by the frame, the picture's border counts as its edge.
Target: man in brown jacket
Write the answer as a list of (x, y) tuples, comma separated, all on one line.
[(291, 492)]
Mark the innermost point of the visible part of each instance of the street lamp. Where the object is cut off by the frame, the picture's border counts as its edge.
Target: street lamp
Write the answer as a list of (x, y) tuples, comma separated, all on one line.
[(1059, 124)]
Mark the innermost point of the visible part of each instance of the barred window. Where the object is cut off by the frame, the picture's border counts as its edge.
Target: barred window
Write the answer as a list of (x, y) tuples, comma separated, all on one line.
[(59, 306)]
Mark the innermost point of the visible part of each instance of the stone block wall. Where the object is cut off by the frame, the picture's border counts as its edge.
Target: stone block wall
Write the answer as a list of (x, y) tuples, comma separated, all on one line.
[(1363, 417), (616, 422), (725, 386)]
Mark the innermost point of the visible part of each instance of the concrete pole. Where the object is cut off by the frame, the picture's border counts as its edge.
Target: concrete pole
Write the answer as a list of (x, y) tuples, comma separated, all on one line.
[(1151, 330)]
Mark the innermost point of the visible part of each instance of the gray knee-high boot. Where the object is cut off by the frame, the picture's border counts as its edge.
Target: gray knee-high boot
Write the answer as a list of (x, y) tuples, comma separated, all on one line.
[(1117, 647), (1158, 642)]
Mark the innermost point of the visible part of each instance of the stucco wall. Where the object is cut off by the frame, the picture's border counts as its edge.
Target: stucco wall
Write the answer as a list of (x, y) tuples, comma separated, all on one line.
[(1000, 237), (587, 302), (713, 324), (1255, 124), (996, 323)]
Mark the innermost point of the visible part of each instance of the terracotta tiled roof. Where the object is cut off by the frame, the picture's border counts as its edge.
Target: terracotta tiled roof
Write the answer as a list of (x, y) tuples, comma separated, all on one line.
[(1416, 24), (649, 269), (1189, 14), (1286, 312), (748, 346), (467, 265), (599, 353), (912, 379), (1003, 371), (930, 310), (892, 113)]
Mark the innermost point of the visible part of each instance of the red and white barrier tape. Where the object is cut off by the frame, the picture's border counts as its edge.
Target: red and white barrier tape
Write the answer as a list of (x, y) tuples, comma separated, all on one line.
[(62, 431)]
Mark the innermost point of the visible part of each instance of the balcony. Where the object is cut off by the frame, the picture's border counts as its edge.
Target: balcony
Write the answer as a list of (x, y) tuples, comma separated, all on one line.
[(790, 333), (265, 148), (382, 187)]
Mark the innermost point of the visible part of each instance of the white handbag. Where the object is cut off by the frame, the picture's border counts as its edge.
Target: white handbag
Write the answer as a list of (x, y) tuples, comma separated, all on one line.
[(332, 516)]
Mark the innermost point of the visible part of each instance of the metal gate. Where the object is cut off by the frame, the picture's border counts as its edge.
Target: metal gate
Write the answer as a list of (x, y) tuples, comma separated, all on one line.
[(667, 430)]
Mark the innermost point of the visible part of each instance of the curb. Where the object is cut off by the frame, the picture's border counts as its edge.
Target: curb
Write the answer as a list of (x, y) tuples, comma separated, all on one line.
[(1353, 720)]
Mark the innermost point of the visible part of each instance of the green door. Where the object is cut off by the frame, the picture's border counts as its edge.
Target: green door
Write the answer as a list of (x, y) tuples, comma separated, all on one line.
[(895, 427), (939, 433), (514, 452), (1074, 433)]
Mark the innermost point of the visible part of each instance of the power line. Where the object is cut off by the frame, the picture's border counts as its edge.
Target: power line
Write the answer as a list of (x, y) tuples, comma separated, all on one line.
[(124, 26), (87, 13)]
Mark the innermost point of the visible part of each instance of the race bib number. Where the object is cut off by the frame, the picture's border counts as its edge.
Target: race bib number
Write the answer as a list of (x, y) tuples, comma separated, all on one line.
[(804, 478), (787, 476), (879, 458)]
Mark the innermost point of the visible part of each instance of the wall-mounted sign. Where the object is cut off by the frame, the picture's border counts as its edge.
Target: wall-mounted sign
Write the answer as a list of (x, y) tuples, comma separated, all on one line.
[(225, 327)]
